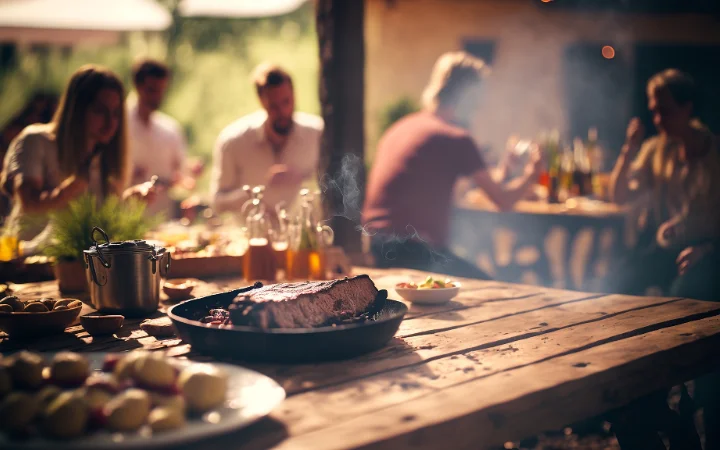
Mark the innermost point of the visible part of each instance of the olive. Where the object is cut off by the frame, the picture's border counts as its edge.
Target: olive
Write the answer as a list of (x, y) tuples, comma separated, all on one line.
[(35, 307), (14, 302)]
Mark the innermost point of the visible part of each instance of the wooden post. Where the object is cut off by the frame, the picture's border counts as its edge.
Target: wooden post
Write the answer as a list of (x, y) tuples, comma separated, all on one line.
[(342, 58)]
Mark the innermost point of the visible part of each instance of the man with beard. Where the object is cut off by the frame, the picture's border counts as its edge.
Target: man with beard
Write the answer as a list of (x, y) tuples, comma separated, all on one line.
[(157, 144), (276, 147)]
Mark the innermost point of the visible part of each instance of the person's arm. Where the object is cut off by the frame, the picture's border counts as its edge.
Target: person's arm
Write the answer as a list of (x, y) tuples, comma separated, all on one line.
[(23, 176), (700, 220), (179, 157), (34, 200), (226, 189), (620, 189), (504, 196)]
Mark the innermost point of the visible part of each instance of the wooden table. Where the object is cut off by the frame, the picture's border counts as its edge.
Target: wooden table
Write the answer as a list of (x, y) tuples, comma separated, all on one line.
[(568, 245), (500, 362)]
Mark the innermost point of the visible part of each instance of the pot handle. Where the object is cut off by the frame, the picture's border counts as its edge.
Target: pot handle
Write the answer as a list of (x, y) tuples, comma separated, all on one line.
[(93, 273), (97, 245), (166, 266)]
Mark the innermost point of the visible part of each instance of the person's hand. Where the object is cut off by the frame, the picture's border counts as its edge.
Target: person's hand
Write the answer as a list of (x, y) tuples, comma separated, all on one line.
[(144, 191), (668, 232), (690, 256), (282, 175), (196, 167), (536, 162), (187, 183), (634, 135), (75, 186)]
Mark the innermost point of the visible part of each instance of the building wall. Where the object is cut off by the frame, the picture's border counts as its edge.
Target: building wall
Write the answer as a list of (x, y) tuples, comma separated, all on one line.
[(525, 94)]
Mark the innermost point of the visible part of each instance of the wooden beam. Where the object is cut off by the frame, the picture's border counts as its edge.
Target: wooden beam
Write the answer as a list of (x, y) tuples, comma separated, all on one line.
[(342, 59)]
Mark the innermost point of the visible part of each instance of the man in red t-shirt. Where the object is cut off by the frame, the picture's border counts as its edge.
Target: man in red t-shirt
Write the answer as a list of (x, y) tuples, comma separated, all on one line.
[(409, 191)]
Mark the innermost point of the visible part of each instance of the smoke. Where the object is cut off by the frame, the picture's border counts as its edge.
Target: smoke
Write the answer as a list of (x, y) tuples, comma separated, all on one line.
[(423, 253), (344, 185)]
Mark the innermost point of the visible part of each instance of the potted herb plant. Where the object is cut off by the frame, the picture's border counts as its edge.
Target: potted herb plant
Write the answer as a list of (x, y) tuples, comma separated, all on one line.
[(71, 228)]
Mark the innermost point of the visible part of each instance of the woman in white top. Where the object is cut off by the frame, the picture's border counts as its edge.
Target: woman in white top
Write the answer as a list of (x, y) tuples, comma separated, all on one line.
[(83, 149)]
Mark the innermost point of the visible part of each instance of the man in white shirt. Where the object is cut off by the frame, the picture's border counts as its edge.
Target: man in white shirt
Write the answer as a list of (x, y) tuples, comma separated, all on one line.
[(157, 144), (275, 147)]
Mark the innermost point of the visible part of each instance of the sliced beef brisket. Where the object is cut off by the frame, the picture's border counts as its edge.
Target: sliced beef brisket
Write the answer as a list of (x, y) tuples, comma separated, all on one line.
[(304, 305)]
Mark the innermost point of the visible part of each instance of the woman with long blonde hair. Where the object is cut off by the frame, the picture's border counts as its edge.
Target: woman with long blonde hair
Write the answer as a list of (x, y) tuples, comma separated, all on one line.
[(82, 149)]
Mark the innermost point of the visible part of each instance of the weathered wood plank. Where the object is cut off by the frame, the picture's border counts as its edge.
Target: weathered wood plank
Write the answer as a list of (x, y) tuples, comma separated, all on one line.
[(509, 404), (419, 348), (382, 390)]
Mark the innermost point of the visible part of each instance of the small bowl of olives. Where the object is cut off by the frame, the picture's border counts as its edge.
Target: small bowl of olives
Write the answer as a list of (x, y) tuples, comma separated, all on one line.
[(24, 318)]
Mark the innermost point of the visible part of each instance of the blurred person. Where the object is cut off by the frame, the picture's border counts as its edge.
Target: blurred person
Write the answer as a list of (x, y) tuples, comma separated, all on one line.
[(418, 161), (673, 182), (277, 146), (8, 133), (156, 141), (81, 150), (39, 109)]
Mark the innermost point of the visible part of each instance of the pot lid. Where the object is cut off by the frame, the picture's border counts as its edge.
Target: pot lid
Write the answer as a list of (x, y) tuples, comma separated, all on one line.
[(132, 246)]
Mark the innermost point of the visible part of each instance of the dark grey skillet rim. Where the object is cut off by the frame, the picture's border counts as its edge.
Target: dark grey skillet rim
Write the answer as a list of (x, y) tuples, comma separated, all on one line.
[(245, 329)]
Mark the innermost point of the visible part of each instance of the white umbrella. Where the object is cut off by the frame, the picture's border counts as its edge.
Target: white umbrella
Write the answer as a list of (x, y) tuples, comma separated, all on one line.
[(238, 8), (69, 21)]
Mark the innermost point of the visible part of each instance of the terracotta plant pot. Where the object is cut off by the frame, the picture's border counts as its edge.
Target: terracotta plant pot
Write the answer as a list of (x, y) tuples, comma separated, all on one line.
[(70, 276)]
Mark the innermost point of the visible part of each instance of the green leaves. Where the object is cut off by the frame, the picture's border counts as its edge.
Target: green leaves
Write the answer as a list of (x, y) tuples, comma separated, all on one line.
[(121, 220)]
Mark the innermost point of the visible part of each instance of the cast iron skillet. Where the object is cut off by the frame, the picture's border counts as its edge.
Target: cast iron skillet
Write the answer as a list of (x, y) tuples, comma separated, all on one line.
[(282, 345)]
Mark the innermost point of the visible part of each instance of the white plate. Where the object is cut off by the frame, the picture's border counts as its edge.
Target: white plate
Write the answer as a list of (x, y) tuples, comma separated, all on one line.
[(428, 296), (250, 396)]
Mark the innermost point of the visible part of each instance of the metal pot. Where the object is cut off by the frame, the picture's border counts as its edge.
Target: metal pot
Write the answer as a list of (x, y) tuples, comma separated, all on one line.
[(124, 277)]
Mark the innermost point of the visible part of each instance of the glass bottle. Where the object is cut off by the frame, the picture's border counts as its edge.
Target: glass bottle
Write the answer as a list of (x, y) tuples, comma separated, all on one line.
[(308, 239), (259, 260), (552, 178)]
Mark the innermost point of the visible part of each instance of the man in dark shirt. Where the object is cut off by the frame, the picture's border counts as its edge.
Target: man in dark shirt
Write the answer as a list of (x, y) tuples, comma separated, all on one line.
[(409, 192)]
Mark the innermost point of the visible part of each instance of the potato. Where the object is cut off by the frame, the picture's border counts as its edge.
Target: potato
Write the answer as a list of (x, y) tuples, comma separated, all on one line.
[(203, 386), (164, 419), (46, 395), (97, 398), (128, 411), (69, 368), (66, 416), (154, 372), (26, 369), (168, 401), (17, 411), (125, 367)]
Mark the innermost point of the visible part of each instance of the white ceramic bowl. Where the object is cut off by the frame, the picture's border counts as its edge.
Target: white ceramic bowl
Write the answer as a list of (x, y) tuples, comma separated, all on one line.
[(429, 296)]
